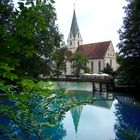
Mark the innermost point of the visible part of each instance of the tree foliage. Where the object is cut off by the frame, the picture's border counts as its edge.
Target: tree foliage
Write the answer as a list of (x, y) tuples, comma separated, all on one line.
[(129, 45), (108, 69), (59, 61), (29, 37), (79, 62), (36, 116)]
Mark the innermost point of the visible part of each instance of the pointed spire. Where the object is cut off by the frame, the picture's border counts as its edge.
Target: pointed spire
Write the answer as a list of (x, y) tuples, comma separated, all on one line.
[(74, 26), (76, 113)]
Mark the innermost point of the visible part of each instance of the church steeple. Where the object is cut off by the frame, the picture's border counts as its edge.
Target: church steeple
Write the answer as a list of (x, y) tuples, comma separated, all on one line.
[(74, 26), (74, 38)]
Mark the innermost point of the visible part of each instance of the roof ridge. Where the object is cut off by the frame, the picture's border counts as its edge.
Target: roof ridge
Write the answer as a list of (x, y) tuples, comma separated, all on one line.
[(95, 43), (94, 50)]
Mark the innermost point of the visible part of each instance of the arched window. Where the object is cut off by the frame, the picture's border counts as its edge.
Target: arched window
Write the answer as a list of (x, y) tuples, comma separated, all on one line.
[(91, 66), (111, 62), (99, 67)]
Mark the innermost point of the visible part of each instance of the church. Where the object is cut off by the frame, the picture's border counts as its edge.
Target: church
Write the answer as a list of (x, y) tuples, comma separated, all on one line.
[(99, 53)]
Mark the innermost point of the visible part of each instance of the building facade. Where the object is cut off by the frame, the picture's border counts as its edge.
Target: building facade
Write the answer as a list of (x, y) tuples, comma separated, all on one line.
[(99, 54)]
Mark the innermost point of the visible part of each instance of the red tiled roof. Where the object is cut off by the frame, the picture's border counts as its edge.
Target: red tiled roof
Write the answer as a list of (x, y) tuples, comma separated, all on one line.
[(69, 54), (94, 50)]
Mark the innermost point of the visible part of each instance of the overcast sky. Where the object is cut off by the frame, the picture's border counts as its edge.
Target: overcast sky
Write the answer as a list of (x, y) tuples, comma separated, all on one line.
[(98, 20)]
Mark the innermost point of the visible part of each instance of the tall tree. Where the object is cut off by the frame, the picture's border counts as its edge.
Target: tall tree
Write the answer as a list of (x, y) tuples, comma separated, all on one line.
[(7, 63), (129, 45), (59, 61), (28, 38), (37, 36), (108, 69), (79, 62)]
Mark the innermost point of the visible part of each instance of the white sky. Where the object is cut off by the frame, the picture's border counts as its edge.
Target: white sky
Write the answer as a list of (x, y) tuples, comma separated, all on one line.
[(98, 20)]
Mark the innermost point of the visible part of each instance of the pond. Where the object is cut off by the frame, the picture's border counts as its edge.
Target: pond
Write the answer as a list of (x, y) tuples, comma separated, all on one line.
[(111, 116), (105, 119)]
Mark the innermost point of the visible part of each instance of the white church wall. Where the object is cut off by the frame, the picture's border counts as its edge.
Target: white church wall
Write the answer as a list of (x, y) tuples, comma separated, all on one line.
[(96, 64), (68, 68), (73, 43), (110, 57)]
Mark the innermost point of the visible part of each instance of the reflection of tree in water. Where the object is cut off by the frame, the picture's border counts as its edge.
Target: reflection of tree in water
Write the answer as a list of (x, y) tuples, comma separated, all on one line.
[(54, 133), (128, 121), (47, 114), (39, 117)]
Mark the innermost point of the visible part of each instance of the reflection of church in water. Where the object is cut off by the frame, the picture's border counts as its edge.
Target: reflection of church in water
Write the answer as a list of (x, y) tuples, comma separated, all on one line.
[(76, 113), (103, 100)]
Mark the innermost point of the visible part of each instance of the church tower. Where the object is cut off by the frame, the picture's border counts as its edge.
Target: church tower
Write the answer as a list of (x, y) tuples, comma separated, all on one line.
[(74, 38)]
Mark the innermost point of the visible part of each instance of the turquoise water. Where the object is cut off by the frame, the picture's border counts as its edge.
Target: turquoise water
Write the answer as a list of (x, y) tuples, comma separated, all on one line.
[(92, 123), (102, 120), (74, 85), (112, 116)]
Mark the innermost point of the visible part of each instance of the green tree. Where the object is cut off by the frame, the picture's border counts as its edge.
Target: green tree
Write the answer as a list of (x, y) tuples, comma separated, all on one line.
[(108, 69), (79, 62), (38, 37), (129, 45), (59, 61), (7, 63), (48, 40), (28, 37)]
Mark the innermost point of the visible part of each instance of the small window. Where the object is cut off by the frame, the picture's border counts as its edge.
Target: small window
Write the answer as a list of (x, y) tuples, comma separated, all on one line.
[(111, 62), (70, 43), (99, 66), (91, 66), (78, 43)]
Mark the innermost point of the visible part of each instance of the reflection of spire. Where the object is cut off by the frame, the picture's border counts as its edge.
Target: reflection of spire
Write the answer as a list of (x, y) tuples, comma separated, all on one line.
[(76, 113)]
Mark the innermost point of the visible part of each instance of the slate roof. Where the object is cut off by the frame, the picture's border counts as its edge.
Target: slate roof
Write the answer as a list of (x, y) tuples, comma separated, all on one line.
[(94, 50), (74, 26)]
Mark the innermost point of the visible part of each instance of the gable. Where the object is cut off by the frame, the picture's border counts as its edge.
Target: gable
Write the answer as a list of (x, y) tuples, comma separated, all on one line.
[(94, 50), (110, 53)]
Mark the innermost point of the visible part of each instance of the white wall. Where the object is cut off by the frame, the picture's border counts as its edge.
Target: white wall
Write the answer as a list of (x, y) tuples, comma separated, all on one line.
[(110, 57), (75, 42), (95, 65), (68, 68)]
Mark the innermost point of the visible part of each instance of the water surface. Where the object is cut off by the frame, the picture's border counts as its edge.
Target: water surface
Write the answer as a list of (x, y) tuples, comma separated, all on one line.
[(102, 120), (109, 117)]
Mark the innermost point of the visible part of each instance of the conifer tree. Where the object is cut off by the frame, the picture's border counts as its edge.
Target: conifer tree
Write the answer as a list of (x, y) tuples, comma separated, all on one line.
[(129, 45)]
